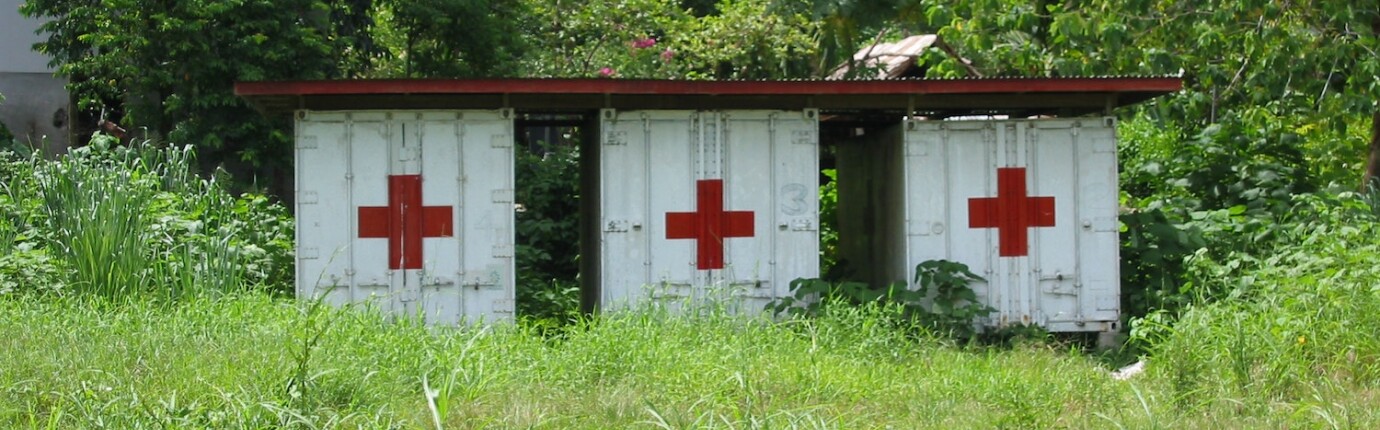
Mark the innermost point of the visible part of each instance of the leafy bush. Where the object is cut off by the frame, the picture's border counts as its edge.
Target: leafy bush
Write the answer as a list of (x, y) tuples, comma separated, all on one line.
[(954, 307), (96, 207), (943, 303), (25, 263), (118, 222), (729, 39), (830, 267), (548, 233), (1306, 310), (29, 269), (1217, 195)]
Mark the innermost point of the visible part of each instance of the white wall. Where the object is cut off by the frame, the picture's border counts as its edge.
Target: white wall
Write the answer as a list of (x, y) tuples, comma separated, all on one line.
[(16, 41), (35, 108)]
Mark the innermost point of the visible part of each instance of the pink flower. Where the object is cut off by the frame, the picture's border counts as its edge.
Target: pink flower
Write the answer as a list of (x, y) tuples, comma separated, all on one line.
[(644, 43), (667, 55), (606, 72)]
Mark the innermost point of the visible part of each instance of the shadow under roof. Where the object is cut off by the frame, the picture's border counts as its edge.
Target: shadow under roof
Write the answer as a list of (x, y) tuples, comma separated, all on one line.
[(937, 97)]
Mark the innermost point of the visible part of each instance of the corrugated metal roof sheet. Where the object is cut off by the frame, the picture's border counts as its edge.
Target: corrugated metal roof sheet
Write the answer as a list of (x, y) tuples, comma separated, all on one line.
[(951, 96)]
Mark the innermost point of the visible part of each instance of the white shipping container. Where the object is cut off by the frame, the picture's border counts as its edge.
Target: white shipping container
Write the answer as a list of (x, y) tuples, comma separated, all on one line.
[(1030, 205), (411, 211), (716, 206)]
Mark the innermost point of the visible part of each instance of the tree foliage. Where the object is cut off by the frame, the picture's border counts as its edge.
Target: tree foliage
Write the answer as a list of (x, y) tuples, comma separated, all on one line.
[(1304, 68), (1279, 100), (452, 38), (736, 39), (168, 67)]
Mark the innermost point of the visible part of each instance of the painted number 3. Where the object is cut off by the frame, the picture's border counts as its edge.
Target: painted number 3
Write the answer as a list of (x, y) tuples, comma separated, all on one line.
[(794, 199)]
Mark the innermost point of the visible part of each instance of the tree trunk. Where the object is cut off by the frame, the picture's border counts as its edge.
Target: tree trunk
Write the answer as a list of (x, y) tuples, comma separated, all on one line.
[(1045, 20)]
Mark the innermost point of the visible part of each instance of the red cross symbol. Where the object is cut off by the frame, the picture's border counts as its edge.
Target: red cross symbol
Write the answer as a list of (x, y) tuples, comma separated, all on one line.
[(404, 222), (1011, 212), (709, 224)]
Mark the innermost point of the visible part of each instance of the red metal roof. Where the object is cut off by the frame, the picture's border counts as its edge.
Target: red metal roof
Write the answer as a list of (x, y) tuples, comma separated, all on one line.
[(954, 96)]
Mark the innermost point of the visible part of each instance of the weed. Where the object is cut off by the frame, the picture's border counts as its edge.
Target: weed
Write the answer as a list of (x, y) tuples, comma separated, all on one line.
[(135, 223), (942, 303)]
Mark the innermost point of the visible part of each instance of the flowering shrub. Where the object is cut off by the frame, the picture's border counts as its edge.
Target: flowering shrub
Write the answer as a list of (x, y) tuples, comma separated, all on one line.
[(660, 39)]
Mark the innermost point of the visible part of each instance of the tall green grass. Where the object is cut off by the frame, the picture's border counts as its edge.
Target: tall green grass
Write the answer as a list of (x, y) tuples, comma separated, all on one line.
[(1308, 312), (232, 362), (97, 214), (139, 223)]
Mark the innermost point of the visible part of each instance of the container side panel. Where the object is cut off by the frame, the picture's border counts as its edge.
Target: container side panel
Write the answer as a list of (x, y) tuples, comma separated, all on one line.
[(622, 195), (771, 169), (323, 260), (707, 206), (388, 213), (370, 159), (795, 144), (748, 273), (926, 214), (1030, 205), (1053, 173), (486, 194), (748, 184), (442, 300), (670, 170), (404, 190), (1098, 229), (890, 216), (631, 225), (972, 153)]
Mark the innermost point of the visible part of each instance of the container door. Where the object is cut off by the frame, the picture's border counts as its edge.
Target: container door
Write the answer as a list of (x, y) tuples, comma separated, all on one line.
[(386, 216), (1077, 263), (771, 166), (324, 204), (1010, 200), (467, 162), (707, 206), (343, 160), (947, 163), (644, 166)]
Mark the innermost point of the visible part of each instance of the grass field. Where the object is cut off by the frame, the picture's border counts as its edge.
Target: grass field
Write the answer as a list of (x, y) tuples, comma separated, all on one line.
[(133, 296), (239, 362)]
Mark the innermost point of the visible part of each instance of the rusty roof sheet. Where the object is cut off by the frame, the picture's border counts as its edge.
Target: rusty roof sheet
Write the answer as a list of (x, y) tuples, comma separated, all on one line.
[(895, 59)]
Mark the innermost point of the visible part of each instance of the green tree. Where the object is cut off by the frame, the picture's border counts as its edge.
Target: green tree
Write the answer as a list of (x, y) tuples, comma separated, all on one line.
[(1309, 65), (451, 38), (170, 66), (733, 39)]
